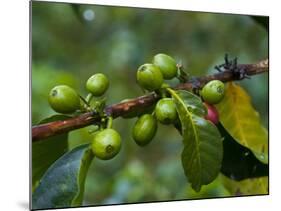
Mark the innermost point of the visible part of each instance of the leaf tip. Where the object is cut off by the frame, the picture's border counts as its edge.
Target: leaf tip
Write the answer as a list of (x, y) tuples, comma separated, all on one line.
[(196, 188)]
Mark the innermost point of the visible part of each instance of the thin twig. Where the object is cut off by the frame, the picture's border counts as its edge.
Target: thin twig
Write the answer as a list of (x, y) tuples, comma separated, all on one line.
[(40, 132)]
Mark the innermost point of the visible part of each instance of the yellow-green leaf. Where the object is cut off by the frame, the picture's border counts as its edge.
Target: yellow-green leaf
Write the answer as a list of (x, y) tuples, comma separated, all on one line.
[(255, 186), (239, 162), (242, 121)]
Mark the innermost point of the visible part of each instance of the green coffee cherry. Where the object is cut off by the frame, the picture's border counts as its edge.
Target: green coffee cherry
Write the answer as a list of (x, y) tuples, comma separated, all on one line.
[(213, 92), (144, 129), (165, 111), (97, 84), (166, 64), (64, 99), (149, 77), (106, 144)]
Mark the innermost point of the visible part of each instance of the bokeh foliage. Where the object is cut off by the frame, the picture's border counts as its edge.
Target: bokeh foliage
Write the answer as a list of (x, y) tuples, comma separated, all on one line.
[(72, 42)]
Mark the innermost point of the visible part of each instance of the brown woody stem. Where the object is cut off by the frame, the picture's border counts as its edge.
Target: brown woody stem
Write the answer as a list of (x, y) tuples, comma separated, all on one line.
[(40, 132)]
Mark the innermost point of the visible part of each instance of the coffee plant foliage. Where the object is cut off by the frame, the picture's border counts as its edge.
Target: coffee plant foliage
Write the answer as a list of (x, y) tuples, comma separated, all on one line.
[(187, 158)]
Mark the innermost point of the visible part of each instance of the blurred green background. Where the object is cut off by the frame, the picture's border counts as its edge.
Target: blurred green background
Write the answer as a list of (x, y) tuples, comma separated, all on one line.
[(72, 42)]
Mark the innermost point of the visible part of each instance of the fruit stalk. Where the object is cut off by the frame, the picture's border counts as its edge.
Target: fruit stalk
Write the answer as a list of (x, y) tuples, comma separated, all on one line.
[(43, 131)]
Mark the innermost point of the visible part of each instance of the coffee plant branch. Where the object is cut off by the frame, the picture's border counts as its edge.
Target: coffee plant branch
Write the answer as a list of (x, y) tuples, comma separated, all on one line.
[(43, 131)]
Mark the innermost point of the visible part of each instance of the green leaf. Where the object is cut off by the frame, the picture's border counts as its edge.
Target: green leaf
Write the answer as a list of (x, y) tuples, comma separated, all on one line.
[(63, 183), (47, 151), (202, 154), (240, 119), (192, 102), (256, 186), (239, 162)]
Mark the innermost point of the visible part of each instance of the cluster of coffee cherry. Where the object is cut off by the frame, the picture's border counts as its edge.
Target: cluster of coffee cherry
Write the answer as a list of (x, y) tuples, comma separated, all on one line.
[(151, 77), (63, 99), (106, 141)]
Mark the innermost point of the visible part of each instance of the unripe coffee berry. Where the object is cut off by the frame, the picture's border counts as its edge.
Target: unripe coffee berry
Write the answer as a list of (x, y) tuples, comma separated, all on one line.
[(144, 129), (106, 144), (166, 64), (213, 92), (149, 77), (64, 99), (165, 111), (212, 113), (97, 84)]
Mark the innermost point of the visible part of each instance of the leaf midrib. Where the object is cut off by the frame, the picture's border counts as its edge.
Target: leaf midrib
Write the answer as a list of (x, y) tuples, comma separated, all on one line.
[(193, 126)]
